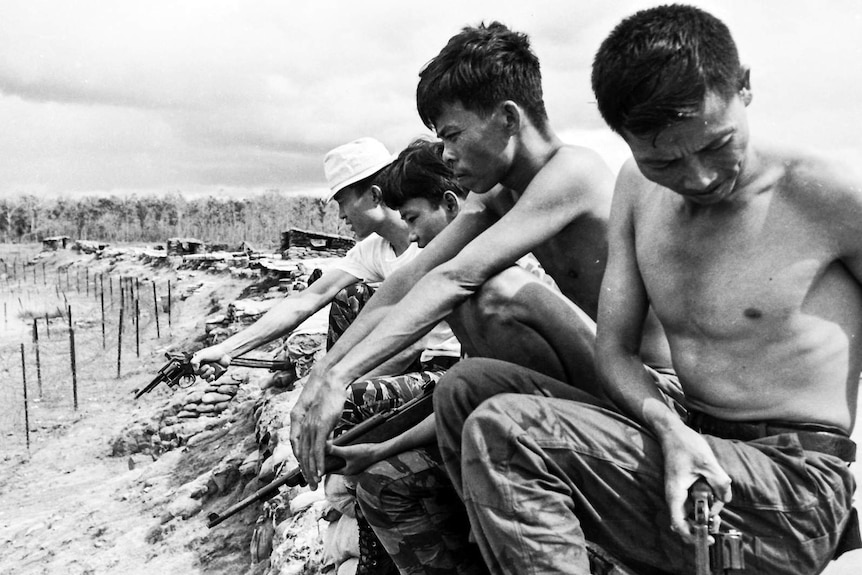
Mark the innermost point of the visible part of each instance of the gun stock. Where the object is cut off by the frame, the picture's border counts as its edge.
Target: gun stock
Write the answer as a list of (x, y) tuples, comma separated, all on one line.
[(375, 429)]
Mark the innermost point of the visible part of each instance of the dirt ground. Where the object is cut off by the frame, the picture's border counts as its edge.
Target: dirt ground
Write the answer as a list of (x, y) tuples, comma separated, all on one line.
[(68, 507)]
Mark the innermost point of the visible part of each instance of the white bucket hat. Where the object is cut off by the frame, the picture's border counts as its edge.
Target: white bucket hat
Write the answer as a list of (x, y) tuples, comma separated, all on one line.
[(350, 163)]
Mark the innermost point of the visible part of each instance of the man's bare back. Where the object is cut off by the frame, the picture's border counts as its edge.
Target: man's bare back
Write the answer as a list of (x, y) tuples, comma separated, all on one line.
[(760, 312)]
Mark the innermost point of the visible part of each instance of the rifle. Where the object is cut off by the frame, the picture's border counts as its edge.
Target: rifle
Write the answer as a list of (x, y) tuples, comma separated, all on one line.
[(178, 371), (377, 428), (725, 554)]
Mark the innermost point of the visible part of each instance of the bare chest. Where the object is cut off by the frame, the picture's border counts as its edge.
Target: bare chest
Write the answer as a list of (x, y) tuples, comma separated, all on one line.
[(731, 273)]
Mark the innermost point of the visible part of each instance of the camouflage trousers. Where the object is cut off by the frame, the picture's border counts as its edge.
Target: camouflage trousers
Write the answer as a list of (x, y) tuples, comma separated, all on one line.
[(364, 399), (367, 398), (344, 308), (410, 500), (541, 475), (379, 394)]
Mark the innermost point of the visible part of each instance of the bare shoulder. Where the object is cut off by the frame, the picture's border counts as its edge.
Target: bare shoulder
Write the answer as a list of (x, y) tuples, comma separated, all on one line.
[(828, 187), (581, 163), (828, 191), (578, 175), (632, 188)]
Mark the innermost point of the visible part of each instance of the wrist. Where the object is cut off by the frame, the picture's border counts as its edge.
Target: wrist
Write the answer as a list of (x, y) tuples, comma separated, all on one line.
[(333, 378), (662, 420), (221, 353)]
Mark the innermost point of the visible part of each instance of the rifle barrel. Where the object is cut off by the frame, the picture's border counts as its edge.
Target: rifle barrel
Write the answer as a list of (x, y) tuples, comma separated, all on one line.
[(375, 429)]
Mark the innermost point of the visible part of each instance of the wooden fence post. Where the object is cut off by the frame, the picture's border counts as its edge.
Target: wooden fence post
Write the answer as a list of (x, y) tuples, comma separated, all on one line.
[(26, 406), (119, 342), (137, 328), (38, 360), (156, 310), (72, 359)]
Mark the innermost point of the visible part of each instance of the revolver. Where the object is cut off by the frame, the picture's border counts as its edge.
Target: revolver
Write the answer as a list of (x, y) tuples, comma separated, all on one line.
[(725, 554), (178, 371)]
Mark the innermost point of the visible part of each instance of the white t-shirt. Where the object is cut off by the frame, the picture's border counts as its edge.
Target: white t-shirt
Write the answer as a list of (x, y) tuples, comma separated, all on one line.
[(372, 260)]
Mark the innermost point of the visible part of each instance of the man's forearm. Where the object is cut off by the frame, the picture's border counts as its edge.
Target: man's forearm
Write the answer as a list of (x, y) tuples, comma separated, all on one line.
[(424, 433), (428, 303), (632, 389), (280, 320)]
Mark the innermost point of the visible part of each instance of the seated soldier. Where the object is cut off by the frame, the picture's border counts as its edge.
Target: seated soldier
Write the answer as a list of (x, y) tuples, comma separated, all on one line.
[(422, 187), (385, 244), (529, 193), (751, 257)]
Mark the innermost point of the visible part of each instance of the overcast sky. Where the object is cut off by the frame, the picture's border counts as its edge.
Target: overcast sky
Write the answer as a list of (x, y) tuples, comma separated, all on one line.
[(218, 96)]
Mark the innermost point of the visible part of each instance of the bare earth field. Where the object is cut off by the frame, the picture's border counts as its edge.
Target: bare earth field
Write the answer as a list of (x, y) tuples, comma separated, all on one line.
[(67, 506)]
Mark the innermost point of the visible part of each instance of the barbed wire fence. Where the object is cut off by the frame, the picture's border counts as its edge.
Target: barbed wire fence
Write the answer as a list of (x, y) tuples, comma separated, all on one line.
[(68, 336)]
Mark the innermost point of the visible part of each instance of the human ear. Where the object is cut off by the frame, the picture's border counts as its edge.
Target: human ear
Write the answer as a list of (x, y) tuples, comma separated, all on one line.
[(451, 202), (376, 194), (511, 113), (745, 85)]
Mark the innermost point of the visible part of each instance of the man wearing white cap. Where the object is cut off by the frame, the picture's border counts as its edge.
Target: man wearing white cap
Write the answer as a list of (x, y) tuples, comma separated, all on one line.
[(384, 246), (351, 171)]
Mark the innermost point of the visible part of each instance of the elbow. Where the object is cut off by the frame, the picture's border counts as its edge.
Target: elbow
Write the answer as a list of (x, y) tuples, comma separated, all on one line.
[(465, 279)]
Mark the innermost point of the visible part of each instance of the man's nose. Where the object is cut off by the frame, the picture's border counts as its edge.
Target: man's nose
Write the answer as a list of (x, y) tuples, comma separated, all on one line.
[(413, 236), (698, 176), (448, 155)]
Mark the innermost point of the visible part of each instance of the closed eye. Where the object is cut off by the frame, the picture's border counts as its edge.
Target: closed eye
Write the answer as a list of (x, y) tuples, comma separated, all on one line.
[(719, 144)]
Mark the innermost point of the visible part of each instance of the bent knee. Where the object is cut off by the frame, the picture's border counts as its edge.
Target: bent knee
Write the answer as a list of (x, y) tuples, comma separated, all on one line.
[(489, 424), (401, 478), (452, 387), (496, 294)]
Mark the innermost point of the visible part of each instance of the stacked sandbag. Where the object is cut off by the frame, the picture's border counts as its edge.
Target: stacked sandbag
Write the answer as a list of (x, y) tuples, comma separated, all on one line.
[(209, 399), (304, 348)]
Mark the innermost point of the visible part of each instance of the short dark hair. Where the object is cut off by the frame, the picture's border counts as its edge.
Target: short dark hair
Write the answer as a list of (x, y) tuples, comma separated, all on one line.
[(418, 172), (480, 67), (656, 67)]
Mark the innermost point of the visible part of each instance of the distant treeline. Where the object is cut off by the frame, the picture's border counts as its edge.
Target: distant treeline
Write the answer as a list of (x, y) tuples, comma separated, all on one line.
[(259, 219)]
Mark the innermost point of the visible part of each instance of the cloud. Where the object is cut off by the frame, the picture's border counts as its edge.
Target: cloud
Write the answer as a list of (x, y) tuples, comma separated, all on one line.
[(104, 95)]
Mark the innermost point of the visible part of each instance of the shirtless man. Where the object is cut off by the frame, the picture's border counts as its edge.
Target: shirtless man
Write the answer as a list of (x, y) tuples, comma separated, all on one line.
[(529, 193), (752, 260)]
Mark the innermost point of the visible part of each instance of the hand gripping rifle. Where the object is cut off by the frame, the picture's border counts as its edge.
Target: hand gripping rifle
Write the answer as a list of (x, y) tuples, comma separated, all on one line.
[(178, 371), (725, 554), (375, 429)]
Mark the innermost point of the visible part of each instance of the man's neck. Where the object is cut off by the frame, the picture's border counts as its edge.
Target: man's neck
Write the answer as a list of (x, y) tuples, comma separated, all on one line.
[(395, 232), (533, 150)]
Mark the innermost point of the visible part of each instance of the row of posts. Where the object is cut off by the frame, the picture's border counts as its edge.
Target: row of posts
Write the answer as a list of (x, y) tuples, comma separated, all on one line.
[(129, 290)]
